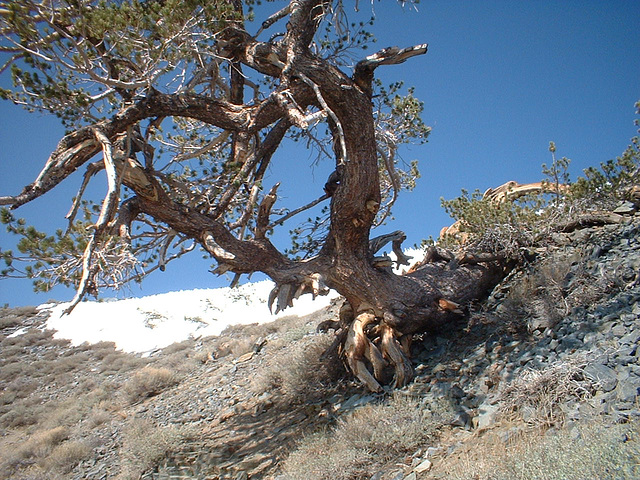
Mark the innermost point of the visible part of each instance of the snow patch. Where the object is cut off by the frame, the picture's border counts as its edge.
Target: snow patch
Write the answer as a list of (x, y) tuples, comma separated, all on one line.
[(152, 322)]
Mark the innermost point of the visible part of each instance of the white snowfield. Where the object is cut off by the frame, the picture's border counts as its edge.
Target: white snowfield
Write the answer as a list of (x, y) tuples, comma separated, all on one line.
[(148, 323)]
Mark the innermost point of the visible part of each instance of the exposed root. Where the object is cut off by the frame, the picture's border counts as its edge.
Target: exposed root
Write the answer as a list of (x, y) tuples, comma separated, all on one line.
[(370, 345), (357, 347), (391, 349)]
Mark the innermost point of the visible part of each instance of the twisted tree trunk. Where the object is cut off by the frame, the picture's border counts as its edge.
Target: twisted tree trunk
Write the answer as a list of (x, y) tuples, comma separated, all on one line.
[(385, 307)]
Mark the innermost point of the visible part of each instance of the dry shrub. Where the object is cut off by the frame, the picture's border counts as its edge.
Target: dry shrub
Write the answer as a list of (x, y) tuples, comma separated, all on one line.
[(42, 442), (20, 415), (11, 317), (537, 396), (185, 345), (36, 448), (233, 346), (67, 412), (120, 362), (98, 417), (101, 349), (539, 294), (553, 286), (181, 357), (66, 456), (299, 372), (593, 450), (27, 311), (19, 387), (148, 382), (33, 472), (365, 441), (145, 444)]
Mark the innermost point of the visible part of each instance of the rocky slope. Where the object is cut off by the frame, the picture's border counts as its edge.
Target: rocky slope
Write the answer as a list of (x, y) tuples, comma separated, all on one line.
[(552, 349)]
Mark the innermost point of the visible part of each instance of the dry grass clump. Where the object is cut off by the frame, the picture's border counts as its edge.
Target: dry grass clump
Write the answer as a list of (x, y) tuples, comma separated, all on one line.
[(100, 349), (236, 347), (145, 444), (299, 373), (539, 294), (66, 456), (547, 291), (237, 340), (48, 451), (42, 442), (19, 415), (98, 416), (115, 362), (148, 382), (11, 317), (593, 450), (537, 396), (364, 442)]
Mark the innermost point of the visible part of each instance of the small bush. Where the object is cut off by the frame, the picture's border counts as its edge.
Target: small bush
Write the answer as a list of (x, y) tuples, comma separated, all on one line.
[(591, 451), (66, 456), (299, 372), (364, 442), (19, 416), (540, 294), (145, 444), (35, 448), (503, 228), (98, 417), (148, 382), (536, 396), (120, 362), (100, 350)]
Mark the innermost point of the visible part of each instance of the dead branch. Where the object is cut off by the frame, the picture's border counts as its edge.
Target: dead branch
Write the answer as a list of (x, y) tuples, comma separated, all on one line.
[(309, 205)]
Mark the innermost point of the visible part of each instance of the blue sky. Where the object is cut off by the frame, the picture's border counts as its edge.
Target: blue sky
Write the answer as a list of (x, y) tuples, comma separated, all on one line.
[(501, 79)]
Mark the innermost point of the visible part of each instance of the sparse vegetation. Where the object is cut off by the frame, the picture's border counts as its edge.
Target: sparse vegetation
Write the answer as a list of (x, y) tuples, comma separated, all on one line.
[(53, 396), (148, 382), (510, 227), (593, 450), (546, 293), (366, 441), (145, 444), (537, 396), (299, 373), (66, 456)]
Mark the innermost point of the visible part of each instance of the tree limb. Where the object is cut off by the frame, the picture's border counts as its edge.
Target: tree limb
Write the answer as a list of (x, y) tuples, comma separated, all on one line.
[(363, 72), (309, 205)]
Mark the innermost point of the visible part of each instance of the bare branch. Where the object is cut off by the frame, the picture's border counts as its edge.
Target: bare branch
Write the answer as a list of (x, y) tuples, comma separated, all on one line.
[(106, 214), (309, 205), (331, 113), (363, 72), (274, 18), (391, 56), (92, 169), (263, 153), (201, 151), (395, 182)]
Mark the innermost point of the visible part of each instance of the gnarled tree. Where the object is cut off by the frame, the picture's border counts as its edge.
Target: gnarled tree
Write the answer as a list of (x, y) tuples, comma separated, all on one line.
[(155, 93)]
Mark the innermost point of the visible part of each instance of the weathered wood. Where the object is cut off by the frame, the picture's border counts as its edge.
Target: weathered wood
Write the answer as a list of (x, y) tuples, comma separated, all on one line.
[(306, 87)]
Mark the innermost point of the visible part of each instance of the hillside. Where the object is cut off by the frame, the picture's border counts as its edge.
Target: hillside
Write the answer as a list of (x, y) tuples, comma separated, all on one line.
[(540, 381)]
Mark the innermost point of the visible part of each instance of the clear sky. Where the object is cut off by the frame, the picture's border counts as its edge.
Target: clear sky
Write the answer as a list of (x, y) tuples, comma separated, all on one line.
[(500, 81)]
